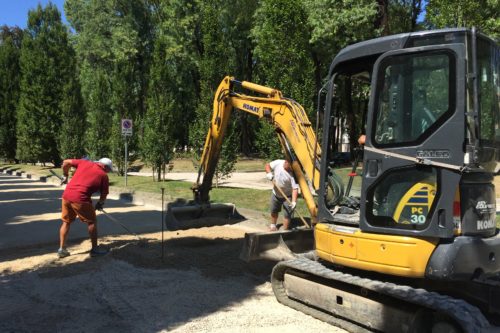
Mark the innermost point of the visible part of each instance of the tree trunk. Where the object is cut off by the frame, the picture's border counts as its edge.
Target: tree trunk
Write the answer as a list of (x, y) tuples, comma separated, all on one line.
[(158, 171), (382, 20), (416, 9), (317, 74)]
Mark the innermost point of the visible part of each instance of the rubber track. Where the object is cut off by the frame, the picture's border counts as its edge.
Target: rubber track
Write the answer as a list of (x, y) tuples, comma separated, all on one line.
[(467, 316)]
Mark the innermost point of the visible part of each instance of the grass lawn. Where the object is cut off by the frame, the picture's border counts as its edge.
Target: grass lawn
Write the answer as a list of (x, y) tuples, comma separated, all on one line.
[(187, 165), (245, 198), (241, 197)]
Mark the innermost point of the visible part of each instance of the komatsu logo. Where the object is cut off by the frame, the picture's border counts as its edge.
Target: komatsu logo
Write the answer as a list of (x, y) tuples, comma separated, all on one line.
[(483, 205), (485, 224), (251, 108)]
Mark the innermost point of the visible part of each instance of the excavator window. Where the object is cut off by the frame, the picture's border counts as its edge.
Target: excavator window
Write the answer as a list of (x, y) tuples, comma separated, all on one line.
[(403, 198), (489, 90), (415, 95)]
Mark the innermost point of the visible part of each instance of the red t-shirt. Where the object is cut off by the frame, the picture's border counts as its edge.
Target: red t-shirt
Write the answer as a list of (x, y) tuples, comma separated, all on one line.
[(89, 178)]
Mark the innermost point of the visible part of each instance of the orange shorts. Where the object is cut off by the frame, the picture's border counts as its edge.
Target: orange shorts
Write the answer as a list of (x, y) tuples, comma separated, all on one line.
[(85, 211)]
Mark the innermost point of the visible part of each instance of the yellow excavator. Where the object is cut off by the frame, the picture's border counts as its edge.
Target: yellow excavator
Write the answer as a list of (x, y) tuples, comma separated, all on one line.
[(298, 141), (419, 250)]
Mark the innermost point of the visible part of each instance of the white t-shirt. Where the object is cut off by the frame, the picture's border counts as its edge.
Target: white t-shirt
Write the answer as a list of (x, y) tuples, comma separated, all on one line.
[(283, 179)]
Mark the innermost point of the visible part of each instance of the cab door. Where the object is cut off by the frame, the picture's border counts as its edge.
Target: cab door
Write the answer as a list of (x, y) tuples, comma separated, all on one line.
[(414, 141)]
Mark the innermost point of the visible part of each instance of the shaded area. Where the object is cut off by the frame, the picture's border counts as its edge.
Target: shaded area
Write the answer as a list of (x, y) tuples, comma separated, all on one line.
[(120, 292), (214, 258), (130, 289), (33, 217)]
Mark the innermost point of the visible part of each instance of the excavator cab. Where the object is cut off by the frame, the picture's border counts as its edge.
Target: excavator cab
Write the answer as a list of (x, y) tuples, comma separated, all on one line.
[(428, 103), (432, 130)]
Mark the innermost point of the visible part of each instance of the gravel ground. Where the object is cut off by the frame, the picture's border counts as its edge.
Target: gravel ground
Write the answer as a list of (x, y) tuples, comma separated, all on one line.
[(199, 286)]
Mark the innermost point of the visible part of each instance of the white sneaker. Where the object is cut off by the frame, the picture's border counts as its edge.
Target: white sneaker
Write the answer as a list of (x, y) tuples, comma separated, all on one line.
[(62, 252)]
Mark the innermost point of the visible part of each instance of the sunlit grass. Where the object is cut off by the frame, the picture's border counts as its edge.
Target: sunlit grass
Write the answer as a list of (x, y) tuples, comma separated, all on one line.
[(244, 198)]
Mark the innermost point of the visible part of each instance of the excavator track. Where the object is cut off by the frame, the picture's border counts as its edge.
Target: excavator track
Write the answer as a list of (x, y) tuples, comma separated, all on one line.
[(468, 317)]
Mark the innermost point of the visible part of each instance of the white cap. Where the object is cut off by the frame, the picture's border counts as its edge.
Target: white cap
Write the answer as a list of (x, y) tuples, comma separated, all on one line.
[(106, 162)]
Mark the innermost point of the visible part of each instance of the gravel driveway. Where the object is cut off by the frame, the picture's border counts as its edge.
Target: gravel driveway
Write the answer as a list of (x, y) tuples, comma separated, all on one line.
[(199, 285)]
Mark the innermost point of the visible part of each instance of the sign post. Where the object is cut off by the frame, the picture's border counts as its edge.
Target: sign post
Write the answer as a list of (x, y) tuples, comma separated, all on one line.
[(126, 131)]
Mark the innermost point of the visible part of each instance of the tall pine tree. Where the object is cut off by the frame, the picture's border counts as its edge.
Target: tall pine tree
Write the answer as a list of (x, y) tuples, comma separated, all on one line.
[(283, 60), (216, 61), (10, 47), (173, 86), (113, 44), (46, 68)]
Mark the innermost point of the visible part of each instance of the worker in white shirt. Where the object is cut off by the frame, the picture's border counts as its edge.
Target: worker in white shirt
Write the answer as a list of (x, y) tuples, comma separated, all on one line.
[(280, 172)]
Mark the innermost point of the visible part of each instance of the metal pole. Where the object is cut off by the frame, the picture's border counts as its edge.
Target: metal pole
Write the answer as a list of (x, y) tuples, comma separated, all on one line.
[(162, 225), (126, 155)]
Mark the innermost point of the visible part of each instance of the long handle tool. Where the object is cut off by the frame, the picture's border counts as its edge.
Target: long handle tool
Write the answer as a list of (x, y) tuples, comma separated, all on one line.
[(61, 178), (141, 240), (287, 200)]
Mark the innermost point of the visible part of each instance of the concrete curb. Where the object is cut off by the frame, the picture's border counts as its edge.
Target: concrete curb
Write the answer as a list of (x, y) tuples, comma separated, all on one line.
[(135, 198), (23, 174)]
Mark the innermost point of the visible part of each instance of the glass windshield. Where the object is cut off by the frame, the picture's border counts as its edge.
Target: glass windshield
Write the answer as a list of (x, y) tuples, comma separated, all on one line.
[(415, 94), (488, 58)]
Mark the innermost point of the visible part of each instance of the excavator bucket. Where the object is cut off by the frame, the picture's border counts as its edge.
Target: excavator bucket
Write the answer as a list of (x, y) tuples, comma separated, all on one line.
[(190, 215), (277, 245)]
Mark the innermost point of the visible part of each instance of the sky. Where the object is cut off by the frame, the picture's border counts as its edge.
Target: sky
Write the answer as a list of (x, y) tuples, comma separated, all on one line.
[(15, 12)]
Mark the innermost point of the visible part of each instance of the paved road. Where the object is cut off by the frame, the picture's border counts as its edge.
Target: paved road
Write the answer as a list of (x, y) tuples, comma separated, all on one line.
[(30, 214)]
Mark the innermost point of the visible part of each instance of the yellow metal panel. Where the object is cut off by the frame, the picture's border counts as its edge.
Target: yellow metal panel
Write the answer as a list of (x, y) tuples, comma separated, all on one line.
[(323, 243), (388, 254), (344, 246)]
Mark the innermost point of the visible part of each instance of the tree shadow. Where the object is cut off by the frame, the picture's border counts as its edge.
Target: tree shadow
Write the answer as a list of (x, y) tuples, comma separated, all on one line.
[(132, 289)]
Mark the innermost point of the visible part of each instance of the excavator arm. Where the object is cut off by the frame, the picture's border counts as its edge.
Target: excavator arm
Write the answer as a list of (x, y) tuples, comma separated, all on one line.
[(291, 124)]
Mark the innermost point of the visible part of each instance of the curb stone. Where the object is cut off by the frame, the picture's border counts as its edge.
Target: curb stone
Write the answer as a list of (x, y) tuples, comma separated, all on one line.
[(135, 198)]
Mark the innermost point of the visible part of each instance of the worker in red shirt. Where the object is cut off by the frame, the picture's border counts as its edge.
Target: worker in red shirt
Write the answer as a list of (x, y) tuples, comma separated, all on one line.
[(89, 177)]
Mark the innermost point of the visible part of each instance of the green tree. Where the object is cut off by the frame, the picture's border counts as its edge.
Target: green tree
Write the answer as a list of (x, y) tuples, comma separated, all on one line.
[(10, 48), (113, 43), (281, 35), (173, 81), (483, 14), (72, 123), (237, 19), (216, 61), (45, 63), (403, 15), (335, 24)]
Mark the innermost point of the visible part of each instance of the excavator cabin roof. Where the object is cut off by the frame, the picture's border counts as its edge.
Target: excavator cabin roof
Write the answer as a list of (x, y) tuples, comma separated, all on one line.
[(359, 56)]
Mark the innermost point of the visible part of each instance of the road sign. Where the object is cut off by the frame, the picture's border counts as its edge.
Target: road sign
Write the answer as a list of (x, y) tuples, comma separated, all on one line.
[(126, 127)]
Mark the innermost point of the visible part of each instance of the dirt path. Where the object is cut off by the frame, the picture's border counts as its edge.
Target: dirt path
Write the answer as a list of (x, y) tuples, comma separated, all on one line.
[(199, 286)]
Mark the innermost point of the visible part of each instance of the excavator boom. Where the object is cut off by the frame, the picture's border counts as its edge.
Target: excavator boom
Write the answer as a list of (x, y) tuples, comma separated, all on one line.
[(295, 134), (289, 119)]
